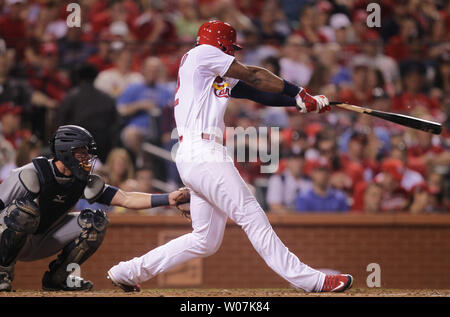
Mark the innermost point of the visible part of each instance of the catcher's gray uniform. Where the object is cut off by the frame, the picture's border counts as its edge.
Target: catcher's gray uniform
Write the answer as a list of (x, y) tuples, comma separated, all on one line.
[(36, 222)]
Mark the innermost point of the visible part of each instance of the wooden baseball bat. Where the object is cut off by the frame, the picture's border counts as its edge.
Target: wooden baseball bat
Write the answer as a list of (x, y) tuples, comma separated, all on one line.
[(407, 121)]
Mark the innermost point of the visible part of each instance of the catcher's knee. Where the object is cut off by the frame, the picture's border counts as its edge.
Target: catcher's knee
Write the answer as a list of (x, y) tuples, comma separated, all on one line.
[(93, 225), (23, 216)]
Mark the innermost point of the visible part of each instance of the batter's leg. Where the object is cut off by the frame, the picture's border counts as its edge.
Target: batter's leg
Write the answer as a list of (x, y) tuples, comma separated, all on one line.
[(222, 186), (208, 225)]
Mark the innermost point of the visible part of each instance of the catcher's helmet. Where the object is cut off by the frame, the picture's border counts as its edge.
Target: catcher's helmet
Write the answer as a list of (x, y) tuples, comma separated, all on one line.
[(219, 34), (69, 138)]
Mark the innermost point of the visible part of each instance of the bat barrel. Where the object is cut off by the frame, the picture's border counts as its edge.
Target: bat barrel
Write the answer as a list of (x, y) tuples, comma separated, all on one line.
[(408, 121)]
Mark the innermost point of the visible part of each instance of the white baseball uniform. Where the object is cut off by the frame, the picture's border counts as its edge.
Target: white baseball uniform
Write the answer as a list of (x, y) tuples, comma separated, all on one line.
[(217, 189)]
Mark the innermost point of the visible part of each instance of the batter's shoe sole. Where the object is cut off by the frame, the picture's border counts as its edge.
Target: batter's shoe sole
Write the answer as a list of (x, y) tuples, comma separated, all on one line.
[(337, 283), (124, 287)]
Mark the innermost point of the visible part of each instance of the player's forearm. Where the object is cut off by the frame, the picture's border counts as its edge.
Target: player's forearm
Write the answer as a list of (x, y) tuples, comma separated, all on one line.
[(137, 200), (131, 200)]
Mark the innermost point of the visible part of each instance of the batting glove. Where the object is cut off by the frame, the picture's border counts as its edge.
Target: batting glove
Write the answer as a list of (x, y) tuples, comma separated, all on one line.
[(307, 103)]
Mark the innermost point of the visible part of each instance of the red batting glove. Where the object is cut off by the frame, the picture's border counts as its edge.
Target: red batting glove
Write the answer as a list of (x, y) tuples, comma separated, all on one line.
[(307, 103)]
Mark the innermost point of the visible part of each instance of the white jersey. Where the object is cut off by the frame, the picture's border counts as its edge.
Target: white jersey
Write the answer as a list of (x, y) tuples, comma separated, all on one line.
[(202, 91)]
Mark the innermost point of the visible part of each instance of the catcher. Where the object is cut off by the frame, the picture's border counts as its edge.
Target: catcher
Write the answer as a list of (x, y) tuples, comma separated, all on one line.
[(35, 201)]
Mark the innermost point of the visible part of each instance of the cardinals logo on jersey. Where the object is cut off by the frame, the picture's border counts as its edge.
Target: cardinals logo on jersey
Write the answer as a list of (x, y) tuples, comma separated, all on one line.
[(221, 88)]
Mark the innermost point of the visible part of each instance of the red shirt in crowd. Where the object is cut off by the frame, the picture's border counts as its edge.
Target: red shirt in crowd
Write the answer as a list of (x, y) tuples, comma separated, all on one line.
[(53, 85), (407, 102), (14, 32)]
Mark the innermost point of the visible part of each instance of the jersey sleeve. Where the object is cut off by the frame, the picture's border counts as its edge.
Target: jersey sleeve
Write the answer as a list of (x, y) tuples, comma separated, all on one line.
[(212, 61), (231, 81), (108, 194)]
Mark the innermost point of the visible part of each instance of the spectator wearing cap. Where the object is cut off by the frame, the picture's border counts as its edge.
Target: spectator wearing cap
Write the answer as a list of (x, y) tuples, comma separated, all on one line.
[(425, 199), (294, 140), (399, 151), (50, 85), (85, 104), (140, 104), (115, 80), (341, 29), (284, 188), (321, 197), (395, 198)]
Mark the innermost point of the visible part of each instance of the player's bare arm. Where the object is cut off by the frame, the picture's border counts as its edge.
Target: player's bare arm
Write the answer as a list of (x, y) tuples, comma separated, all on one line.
[(261, 85), (136, 200), (257, 77)]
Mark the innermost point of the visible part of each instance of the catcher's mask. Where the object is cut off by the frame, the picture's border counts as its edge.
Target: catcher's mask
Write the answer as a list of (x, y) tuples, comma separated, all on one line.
[(75, 147), (219, 34)]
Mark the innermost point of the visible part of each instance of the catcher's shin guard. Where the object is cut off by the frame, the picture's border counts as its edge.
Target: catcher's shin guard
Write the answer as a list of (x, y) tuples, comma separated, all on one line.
[(6, 277), (21, 219), (93, 229)]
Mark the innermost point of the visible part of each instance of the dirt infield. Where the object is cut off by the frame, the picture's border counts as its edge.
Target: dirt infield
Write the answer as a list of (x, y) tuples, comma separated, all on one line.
[(280, 292)]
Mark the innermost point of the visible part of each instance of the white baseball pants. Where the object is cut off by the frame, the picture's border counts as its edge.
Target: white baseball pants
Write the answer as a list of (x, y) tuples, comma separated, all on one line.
[(217, 192)]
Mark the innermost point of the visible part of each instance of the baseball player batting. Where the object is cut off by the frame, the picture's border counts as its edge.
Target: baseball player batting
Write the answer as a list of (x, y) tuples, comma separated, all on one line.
[(208, 75)]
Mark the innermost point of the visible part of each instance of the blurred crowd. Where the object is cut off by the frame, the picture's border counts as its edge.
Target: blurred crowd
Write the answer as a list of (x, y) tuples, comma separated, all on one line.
[(116, 76)]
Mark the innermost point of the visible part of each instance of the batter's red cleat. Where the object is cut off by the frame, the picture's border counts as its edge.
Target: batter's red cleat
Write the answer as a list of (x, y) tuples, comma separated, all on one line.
[(337, 283), (124, 287)]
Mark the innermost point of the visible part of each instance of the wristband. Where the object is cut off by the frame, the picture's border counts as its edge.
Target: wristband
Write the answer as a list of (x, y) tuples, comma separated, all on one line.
[(290, 89), (159, 200)]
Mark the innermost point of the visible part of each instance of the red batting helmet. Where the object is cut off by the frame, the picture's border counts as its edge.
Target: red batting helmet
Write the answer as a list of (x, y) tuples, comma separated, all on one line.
[(219, 34)]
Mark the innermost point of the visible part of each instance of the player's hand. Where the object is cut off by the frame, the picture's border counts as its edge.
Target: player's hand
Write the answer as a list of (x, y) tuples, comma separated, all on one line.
[(180, 199), (307, 103)]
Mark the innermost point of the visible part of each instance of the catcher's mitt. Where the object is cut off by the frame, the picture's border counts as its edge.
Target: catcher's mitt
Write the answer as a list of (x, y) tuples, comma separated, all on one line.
[(182, 201)]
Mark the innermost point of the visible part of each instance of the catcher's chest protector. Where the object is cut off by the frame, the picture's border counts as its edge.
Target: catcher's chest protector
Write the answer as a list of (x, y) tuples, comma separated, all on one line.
[(54, 199)]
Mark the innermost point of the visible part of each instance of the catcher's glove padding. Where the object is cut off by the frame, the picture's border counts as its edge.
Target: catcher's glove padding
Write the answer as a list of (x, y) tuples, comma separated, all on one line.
[(182, 201)]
